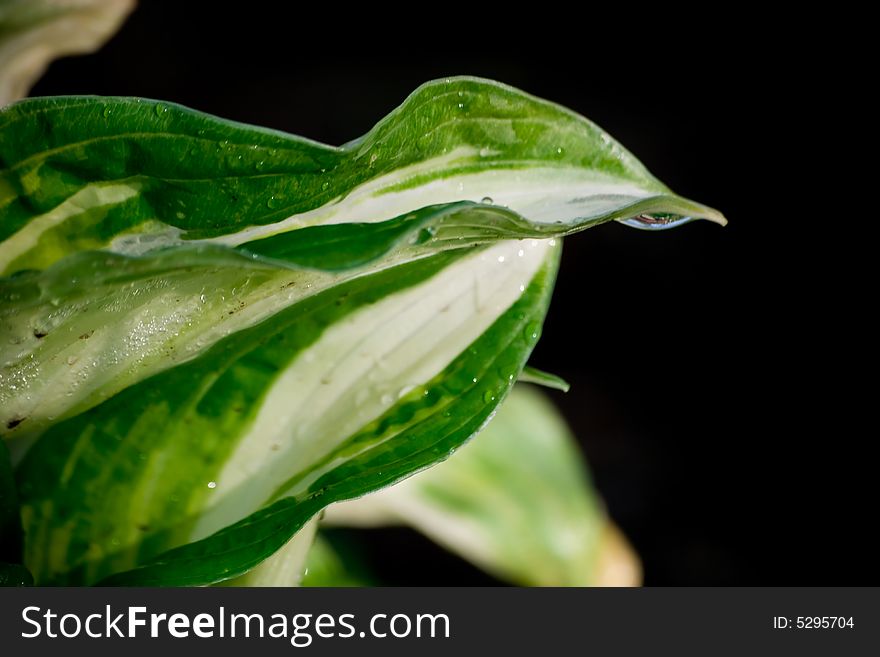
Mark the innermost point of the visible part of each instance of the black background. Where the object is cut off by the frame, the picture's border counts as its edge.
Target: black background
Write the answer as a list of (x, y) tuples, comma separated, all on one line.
[(706, 363)]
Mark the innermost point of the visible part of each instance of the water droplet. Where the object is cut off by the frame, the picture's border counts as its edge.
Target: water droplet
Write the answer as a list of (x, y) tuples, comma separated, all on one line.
[(202, 298), (261, 164), (461, 106), (487, 200), (474, 379), (520, 253), (532, 331), (160, 110), (488, 396), (425, 234), (325, 186), (500, 258), (107, 111), (559, 151), (212, 484), (71, 360), (655, 221)]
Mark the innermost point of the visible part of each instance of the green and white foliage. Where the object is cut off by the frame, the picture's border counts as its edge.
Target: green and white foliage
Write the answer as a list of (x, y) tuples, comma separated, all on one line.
[(34, 32), (515, 500), (211, 331)]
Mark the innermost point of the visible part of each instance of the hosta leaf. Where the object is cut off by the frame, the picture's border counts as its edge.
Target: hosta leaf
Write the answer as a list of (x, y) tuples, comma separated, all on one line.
[(224, 328), (97, 322), (34, 32), (287, 566), (131, 175), (339, 394), (515, 501)]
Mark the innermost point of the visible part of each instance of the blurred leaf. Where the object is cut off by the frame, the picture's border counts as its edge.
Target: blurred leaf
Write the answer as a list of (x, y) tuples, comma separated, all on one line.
[(34, 32), (515, 501)]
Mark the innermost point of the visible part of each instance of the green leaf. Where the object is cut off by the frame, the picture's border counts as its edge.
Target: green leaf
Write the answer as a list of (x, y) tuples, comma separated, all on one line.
[(131, 175), (516, 501), (212, 331), (286, 566), (96, 323), (34, 32), (534, 375)]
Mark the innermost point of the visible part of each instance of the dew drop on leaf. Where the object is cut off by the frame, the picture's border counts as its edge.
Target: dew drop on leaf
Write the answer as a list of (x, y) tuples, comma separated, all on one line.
[(532, 331), (655, 221), (424, 235)]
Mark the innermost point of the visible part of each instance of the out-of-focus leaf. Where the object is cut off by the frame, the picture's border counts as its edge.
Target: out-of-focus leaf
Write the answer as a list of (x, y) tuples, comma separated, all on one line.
[(34, 32), (516, 501)]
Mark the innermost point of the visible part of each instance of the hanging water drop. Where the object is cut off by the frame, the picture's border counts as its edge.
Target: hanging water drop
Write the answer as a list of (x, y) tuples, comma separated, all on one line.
[(655, 221), (486, 200)]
